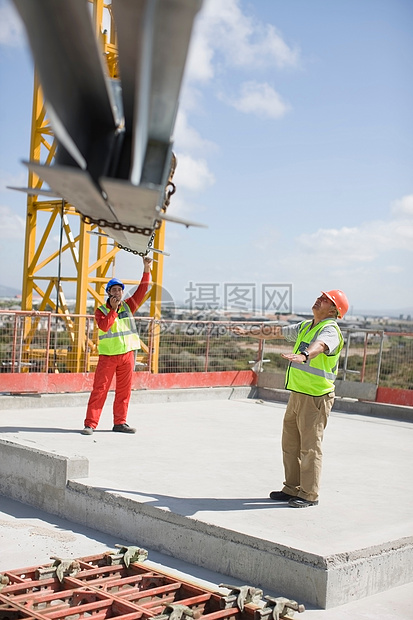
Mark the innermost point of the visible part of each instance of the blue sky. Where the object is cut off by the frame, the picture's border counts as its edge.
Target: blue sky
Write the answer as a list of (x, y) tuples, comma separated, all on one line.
[(294, 145)]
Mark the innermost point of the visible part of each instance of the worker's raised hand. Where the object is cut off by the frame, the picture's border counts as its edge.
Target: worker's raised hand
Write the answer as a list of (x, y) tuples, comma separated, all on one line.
[(147, 263)]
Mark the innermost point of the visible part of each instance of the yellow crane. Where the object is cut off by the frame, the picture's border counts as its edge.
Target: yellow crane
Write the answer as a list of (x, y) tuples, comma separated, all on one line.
[(78, 258)]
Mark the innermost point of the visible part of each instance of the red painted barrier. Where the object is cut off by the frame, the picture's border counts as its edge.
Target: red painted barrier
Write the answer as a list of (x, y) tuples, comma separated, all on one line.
[(54, 383), (394, 396)]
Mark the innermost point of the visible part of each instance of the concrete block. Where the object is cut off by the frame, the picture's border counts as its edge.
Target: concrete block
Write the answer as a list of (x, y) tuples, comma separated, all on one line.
[(355, 389), (191, 394), (272, 380), (365, 572), (36, 477)]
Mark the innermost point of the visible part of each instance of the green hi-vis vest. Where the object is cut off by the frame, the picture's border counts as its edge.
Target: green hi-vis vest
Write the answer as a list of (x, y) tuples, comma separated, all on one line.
[(122, 336), (317, 376)]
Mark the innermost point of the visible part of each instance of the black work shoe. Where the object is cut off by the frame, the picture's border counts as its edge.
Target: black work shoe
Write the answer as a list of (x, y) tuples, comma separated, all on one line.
[(299, 502), (280, 496), (88, 430), (123, 428)]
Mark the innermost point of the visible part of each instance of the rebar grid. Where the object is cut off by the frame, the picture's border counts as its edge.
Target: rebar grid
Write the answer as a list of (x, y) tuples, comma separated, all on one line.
[(93, 587)]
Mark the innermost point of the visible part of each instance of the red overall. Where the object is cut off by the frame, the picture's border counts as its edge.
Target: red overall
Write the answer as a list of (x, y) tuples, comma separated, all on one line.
[(108, 365)]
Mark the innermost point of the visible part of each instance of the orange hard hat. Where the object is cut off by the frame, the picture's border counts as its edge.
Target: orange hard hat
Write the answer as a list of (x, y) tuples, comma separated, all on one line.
[(339, 299)]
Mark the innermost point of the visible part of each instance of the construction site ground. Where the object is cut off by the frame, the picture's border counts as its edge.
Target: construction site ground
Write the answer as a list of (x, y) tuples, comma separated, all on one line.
[(192, 485)]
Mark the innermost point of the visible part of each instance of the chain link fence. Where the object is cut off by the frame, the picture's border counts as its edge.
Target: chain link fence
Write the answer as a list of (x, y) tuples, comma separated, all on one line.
[(45, 342)]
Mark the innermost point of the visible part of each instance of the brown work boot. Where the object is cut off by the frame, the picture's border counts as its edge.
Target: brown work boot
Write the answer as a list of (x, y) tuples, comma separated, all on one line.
[(123, 428)]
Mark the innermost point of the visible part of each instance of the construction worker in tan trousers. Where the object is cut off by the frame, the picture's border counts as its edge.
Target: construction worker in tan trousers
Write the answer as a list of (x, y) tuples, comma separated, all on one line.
[(310, 378), (118, 343)]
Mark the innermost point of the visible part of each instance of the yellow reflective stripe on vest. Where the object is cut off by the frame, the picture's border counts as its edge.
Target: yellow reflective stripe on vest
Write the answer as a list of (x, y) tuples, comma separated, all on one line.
[(122, 337), (314, 371), (110, 334)]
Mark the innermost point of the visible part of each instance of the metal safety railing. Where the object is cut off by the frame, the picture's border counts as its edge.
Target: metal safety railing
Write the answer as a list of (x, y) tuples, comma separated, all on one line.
[(45, 342)]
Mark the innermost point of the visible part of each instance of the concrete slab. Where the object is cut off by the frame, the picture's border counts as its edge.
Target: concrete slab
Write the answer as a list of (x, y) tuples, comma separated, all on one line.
[(194, 482)]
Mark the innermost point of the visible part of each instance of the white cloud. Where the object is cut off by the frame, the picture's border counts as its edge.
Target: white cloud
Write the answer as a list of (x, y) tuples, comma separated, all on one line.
[(188, 138), (14, 180), (368, 261), (366, 242), (12, 226), (403, 207), (191, 177), (11, 28), (227, 40), (259, 99), (193, 174), (232, 39), (199, 67)]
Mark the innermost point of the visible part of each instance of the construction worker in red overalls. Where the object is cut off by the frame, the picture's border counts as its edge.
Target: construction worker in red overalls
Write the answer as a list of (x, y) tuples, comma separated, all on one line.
[(118, 341)]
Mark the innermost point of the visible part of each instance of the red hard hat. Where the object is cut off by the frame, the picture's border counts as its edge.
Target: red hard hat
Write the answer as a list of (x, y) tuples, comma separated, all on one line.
[(339, 299)]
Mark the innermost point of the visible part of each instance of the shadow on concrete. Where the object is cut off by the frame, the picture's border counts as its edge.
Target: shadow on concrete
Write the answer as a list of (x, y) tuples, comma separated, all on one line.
[(189, 506)]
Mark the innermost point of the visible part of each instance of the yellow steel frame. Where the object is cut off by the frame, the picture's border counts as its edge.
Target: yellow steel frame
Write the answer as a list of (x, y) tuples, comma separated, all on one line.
[(37, 254)]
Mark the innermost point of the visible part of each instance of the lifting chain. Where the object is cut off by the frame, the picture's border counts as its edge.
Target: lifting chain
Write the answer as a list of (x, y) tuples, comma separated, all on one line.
[(102, 223), (122, 247), (169, 192), (170, 188)]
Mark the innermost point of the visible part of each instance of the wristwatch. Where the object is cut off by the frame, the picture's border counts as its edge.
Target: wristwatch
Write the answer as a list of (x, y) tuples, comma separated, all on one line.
[(307, 355)]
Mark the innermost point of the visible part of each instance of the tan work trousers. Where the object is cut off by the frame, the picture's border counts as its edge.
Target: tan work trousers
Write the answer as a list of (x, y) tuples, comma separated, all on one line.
[(304, 422)]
